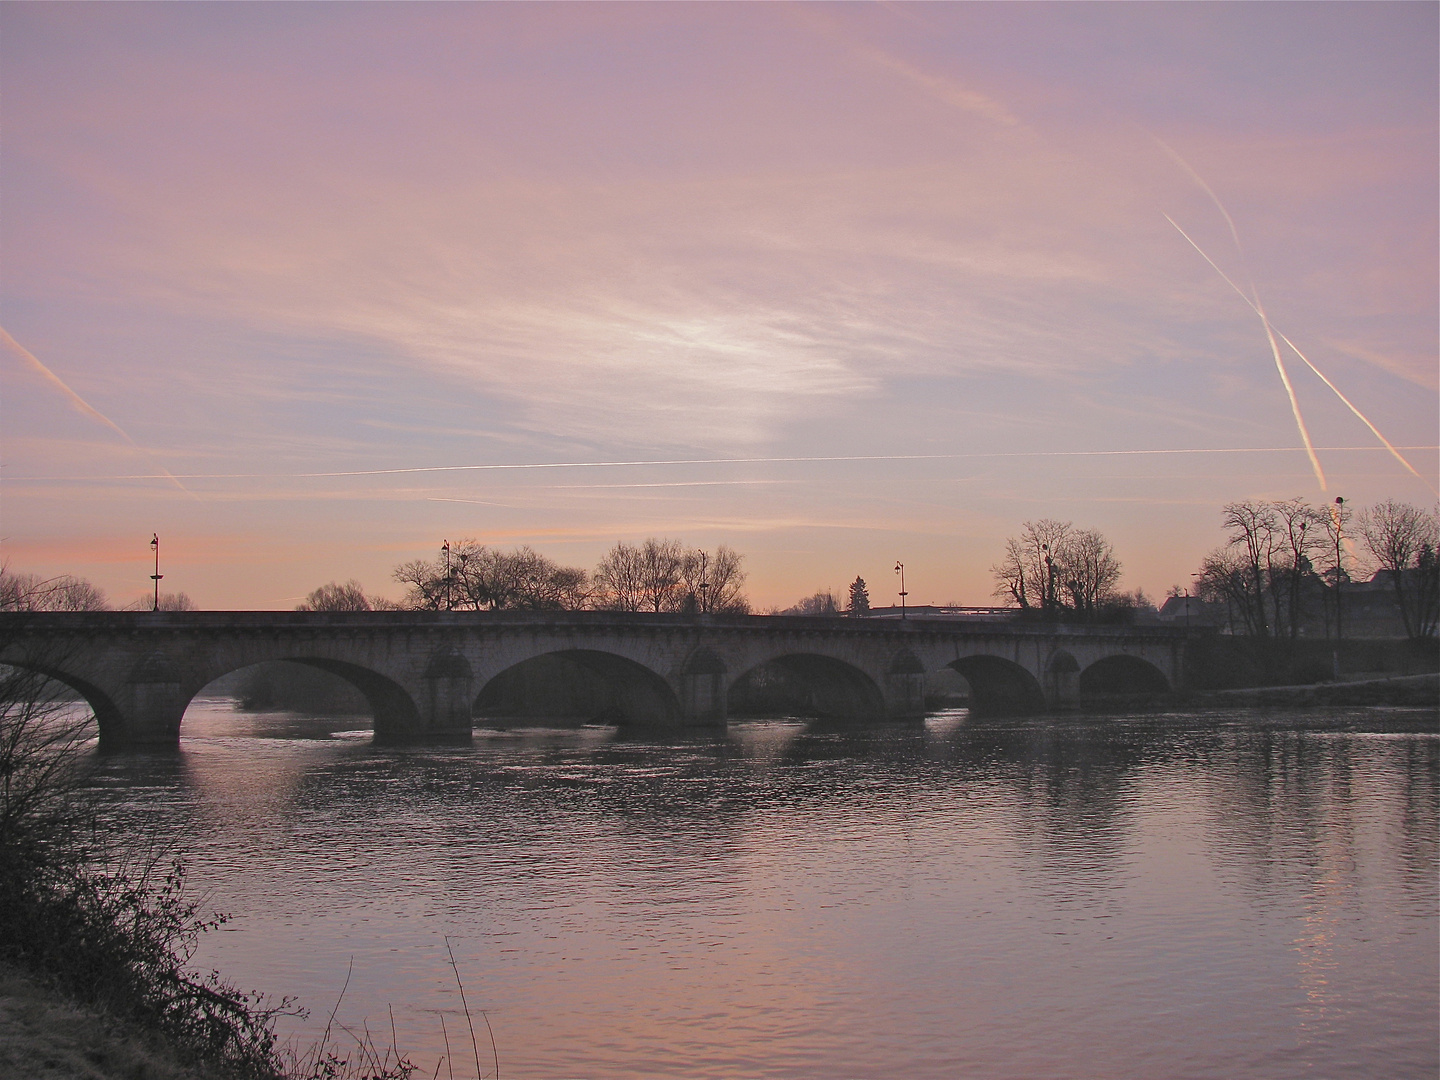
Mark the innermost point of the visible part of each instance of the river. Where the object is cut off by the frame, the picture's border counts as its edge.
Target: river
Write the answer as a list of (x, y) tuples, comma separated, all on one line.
[(1204, 894)]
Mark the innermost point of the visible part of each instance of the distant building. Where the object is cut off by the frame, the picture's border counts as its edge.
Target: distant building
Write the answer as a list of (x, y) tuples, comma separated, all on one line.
[(1368, 609), (1190, 611)]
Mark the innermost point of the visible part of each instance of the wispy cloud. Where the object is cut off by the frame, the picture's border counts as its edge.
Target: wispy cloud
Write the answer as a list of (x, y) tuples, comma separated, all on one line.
[(827, 262)]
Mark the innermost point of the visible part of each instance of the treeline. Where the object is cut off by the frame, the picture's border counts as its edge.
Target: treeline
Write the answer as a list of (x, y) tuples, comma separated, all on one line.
[(655, 575), (66, 592), (1284, 560)]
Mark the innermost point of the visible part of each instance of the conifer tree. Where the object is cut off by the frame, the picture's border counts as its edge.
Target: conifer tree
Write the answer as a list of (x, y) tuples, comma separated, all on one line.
[(859, 597)]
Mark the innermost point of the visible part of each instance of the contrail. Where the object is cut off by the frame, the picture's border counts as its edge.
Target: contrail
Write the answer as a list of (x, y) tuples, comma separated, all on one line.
[(530, 465), (1253, 299), (1200, 180), (1319, 374), (1275, 351), (79, 403), (1363, 418)]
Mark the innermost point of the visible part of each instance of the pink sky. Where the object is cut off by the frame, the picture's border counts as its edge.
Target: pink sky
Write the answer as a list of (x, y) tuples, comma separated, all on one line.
[(311, 260)]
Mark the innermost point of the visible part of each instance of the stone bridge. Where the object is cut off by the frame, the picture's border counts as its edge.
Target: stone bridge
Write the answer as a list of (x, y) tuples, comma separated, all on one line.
[(425, 674)]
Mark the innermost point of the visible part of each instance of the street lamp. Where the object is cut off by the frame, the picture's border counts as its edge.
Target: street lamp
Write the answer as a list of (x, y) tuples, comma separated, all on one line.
[(704, 586), (900, 569), (1339, 577), (1049, 580), (156, 576), (445, 547)]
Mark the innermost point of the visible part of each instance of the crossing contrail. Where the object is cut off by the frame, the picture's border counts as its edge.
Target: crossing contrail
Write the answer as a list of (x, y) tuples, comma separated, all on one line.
[(1254, 305), (1252, 298), (1274, 350), (1363, 418)]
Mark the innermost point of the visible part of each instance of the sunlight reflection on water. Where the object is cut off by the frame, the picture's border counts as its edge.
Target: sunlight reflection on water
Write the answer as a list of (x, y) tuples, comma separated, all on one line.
[(1190, 895)]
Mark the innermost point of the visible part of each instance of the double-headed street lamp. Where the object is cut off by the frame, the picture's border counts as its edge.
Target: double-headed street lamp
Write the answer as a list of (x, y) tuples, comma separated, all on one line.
[(900, 569), (156, 576)]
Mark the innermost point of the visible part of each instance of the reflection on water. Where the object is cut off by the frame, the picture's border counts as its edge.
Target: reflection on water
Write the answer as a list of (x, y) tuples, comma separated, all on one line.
[(1196, 895)]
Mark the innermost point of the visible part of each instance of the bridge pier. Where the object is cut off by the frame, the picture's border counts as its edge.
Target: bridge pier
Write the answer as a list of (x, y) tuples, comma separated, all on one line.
[(704, 690), (1062, 681), (152, 705), (449, 695), (905, 687)]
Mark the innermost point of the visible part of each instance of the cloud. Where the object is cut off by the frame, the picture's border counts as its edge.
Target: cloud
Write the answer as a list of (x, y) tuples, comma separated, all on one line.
[(1421, 371)]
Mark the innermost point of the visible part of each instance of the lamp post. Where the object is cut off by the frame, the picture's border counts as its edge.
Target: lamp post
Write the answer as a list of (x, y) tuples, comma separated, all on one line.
[(1049, 601), (156, 576), (704, 587), (1339, 577), (900, 569), (445, 547)]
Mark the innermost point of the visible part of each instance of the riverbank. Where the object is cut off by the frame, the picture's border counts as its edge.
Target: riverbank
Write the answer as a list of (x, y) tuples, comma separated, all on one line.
[(43, 1036), (1419, 690)]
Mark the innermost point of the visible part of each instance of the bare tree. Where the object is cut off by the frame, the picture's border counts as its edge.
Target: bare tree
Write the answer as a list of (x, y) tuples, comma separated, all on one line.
[(425, 590), (1255, 535), (711, 581), (471, 576), (1402, 540), (166, 601), (336, 597), (524, 579), (1012, 583), (618, 579), (660, 564), (664, 575), (1028, 575), (1052, 565), (1225, 577), (820, 603), (1090, 570), (1334, 521), (1301, 530), (31, 592)]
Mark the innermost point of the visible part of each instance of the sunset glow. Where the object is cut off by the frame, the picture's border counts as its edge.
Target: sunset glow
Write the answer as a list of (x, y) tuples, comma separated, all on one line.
[(305, 289)]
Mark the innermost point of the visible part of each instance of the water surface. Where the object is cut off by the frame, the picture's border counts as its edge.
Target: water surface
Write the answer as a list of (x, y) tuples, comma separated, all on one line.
[(1189, 895)]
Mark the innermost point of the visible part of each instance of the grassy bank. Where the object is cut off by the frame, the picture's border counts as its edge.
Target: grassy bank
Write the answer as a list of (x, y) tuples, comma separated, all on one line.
[(97, 937), (1418, 690), (44, 1036)]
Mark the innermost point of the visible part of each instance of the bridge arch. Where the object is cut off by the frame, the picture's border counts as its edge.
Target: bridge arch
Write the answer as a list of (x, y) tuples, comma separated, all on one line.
[(807, 684), (579, 684), (392, 709), (19, 687), (1123, 675), (999, 686)]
